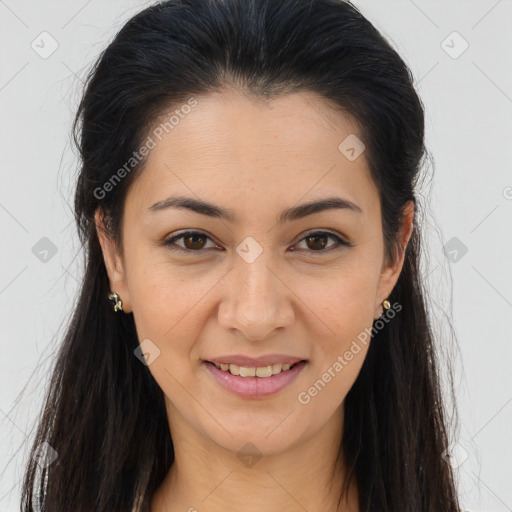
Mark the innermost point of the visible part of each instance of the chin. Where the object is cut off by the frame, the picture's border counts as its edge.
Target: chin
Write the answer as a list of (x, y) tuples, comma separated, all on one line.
[(258, 439)]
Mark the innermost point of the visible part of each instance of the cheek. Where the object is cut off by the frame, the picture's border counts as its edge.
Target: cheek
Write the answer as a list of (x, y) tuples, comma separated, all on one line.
[(346, 311), (166, 309), (343, 303), (345, 306), (168, 301)]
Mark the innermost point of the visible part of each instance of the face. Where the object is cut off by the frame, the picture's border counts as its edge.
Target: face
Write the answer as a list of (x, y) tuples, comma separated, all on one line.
[(255, 280)]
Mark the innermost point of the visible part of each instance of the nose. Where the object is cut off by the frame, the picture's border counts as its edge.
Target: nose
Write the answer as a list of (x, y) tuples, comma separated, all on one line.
[(257, 302)]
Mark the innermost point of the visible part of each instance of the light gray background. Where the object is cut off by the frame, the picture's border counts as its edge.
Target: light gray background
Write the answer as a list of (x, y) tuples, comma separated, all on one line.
[(468, 100)]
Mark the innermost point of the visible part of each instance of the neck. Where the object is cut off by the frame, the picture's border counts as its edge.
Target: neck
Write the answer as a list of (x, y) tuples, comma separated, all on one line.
[(205, 476)]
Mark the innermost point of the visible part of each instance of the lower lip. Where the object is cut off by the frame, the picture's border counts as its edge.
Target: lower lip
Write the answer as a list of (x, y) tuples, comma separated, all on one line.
[(255, 387)]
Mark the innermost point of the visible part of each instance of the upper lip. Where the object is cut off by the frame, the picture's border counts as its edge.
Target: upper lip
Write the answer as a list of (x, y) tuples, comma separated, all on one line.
[(267, 360)]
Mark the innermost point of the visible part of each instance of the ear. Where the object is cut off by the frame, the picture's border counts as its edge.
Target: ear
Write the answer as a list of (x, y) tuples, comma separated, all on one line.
[(391, 271), (114, 262)]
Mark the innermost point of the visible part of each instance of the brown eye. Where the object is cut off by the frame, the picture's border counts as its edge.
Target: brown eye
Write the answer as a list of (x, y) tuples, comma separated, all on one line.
[(317, 242), (193, 241)]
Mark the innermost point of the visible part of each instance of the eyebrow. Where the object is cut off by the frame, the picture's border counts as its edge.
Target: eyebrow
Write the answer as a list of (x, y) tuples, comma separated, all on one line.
[(291, 214)]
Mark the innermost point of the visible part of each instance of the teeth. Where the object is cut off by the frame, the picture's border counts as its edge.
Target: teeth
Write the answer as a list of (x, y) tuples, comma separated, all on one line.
[(276, 368), (247, 372), (260, 371), (264, 371)]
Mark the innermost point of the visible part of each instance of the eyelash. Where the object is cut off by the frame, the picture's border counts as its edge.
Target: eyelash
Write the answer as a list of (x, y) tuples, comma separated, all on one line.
[(340, 242)]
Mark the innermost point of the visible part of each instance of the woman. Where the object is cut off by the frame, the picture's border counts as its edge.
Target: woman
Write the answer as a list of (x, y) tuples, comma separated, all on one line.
[(252, 330)]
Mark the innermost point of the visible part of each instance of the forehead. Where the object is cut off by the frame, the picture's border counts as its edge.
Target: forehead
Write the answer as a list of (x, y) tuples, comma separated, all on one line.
[(243, 152)]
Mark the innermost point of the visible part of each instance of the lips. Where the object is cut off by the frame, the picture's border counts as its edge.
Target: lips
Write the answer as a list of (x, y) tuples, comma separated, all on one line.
[(255, 386), (255, 377)]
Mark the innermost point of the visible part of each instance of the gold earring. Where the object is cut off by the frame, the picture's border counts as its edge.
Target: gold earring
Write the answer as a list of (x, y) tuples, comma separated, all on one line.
[(386, 305), (118, 303)]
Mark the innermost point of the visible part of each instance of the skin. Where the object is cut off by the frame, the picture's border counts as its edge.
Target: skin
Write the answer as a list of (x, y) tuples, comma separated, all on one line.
[(256, 158)]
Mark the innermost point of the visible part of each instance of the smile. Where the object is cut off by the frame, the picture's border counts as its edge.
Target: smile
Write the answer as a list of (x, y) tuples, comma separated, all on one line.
[(254, 382), (255, 371)]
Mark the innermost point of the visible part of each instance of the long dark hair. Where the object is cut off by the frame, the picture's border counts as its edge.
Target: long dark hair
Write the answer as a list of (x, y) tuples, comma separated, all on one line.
[(104, 414)]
